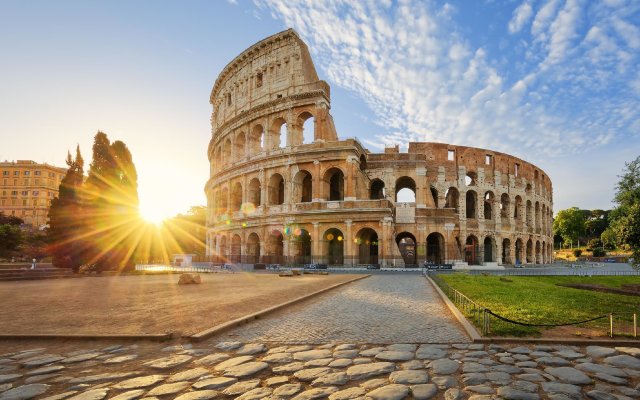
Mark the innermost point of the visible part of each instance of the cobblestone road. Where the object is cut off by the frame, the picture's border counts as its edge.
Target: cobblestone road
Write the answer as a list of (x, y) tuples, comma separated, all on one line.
[(379, 309)]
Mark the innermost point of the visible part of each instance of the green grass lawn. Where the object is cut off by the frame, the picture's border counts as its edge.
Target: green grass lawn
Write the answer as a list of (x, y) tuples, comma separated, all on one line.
[(537, 299)]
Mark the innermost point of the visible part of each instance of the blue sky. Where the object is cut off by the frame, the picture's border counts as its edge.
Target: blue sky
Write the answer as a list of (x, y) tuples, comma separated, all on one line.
[(555, 82)]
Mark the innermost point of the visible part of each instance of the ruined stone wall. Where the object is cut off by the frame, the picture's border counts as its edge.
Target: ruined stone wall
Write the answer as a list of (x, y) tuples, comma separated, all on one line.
[(282, 191)]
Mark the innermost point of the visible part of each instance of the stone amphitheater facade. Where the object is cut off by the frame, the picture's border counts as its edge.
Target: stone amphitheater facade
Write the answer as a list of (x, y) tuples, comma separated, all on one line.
[(285, 189)]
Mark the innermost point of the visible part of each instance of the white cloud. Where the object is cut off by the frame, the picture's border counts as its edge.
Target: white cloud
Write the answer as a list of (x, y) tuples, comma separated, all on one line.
[(521, 16), (424, 81)]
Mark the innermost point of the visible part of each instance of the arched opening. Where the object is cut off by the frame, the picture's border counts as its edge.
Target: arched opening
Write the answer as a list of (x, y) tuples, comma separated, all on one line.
[(334, 184), (504, 206), (279, 133), (519, 252), (334, 245), (435, 248), (506, 252), (377, 191), (405, 190), (488, 205), (517, 209), (227, 151), (434, 194), (253, 248), (276, 189), (407, 246), (239, 146), (301, 246), (489, 253), (224, 200), (236, 197), (275, 248), (235, 256), (471, 179), (471, 251), (302, 187), (471, 203), (367, 241), (452, 199), (307, 122), (530, 252), (255, 193), (256, 139), (538, 258)]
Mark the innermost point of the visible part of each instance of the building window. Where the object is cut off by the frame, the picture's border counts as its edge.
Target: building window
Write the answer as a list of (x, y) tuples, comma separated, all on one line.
[(487, 159), (451, 155), (517, 169)]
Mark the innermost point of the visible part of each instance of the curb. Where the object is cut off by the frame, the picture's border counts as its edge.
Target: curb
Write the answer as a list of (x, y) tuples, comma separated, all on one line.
[(470, 329), (197, 337), (154, 337), (568, 342)]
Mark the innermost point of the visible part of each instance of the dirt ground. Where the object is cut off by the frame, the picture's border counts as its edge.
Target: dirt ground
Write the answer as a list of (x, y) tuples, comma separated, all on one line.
[(147, 304)]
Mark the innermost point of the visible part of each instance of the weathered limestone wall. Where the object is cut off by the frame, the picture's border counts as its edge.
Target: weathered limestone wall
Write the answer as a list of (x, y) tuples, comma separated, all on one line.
[(281, 193)]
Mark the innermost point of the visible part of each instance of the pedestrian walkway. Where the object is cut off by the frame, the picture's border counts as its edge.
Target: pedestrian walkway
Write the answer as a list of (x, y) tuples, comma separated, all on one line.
[(382, 309)]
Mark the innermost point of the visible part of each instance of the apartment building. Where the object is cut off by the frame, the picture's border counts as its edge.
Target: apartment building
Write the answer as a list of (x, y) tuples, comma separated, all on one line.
[(27, 189)]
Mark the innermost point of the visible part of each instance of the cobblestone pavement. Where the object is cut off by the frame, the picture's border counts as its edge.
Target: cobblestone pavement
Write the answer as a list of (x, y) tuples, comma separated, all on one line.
[(229, 370), (379, 309)]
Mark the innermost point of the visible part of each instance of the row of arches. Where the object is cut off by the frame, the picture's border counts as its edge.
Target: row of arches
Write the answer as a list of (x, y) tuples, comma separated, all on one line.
[(243, 144), (295, 246), (275, 192)]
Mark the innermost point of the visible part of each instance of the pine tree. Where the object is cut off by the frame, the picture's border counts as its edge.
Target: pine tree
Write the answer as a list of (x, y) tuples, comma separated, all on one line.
[(65, 217)]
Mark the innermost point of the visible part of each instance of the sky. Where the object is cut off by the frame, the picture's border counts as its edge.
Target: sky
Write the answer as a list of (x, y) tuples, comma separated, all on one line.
[(555, 82)]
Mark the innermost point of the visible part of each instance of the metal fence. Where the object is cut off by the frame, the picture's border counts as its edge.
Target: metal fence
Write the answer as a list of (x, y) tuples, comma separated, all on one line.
[(492, 324), (577, 270)]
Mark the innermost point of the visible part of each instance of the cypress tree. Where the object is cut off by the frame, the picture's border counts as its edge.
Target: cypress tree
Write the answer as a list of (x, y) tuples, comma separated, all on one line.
[(65, 217)]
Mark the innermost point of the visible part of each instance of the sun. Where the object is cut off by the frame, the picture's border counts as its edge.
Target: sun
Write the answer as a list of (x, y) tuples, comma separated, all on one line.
[(153, 215)]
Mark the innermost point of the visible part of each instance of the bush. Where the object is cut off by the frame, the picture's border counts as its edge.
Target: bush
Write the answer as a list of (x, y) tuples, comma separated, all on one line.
[(599, 252), (594, 244), (577, 252)]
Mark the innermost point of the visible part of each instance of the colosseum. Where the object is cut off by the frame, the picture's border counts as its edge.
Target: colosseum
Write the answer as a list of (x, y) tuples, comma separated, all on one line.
[(285, 189)]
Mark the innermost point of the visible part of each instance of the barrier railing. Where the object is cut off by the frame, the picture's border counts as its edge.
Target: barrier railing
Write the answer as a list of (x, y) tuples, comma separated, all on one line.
[(492, 324)]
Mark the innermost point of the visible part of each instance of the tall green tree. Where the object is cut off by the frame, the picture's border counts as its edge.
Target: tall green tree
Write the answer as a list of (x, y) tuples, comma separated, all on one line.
[(11, 236), (65, 217), (111, 202), (569, 224), (625, 223)]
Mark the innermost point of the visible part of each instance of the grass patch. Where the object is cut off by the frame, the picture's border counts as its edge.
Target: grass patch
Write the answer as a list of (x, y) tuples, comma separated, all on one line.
[(537, 300)]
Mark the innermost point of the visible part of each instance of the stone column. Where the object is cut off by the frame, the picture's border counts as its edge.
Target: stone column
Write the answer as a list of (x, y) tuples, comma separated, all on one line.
[(315, 242), (348, 246), (316, 190), (383, 247), (350, 186)]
